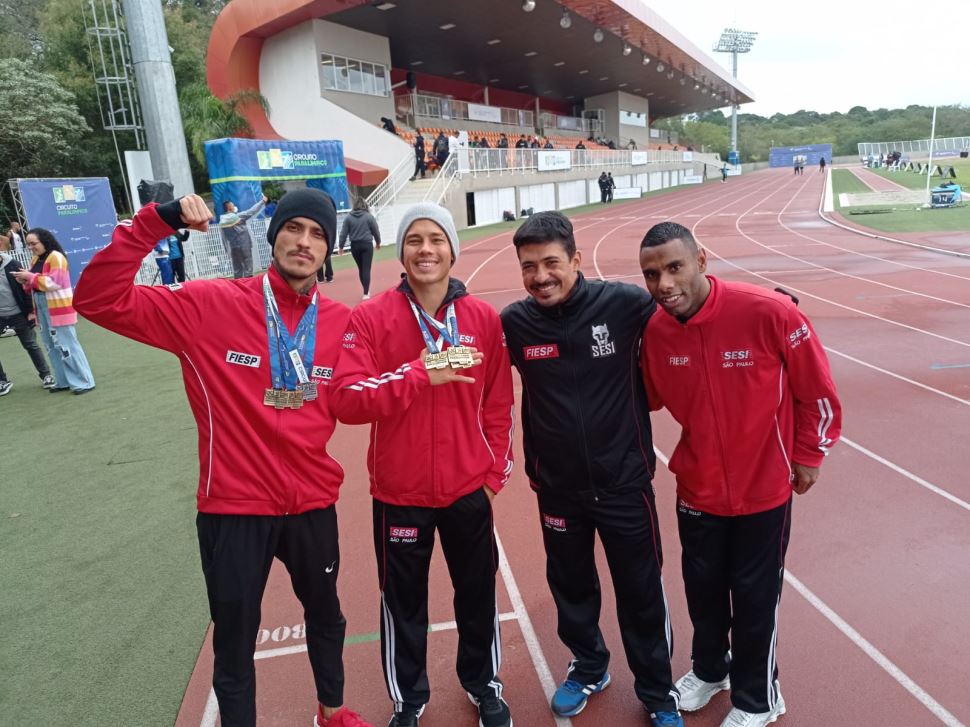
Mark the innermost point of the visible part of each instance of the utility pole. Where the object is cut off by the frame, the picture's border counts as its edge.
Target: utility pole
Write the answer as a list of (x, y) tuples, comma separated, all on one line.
[(735, 41), (152, 60)]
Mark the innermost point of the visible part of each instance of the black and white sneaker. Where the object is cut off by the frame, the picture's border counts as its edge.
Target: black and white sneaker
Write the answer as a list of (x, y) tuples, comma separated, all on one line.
[(7, 332), (407, 717), (5, 387), (48, 382), (492, 711)]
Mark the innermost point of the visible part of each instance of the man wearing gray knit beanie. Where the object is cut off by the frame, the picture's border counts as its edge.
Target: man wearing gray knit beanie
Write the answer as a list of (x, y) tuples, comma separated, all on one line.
[(427, 361)]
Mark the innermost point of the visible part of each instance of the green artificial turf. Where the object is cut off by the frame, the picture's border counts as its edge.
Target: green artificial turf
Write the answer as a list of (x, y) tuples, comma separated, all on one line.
[(899, 217), (103, 600)]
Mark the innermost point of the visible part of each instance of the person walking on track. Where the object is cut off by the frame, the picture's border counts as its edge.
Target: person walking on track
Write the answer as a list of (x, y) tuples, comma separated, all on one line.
[(589, 456), (742, 371), (440, 450), (361, 227), (257, 355)]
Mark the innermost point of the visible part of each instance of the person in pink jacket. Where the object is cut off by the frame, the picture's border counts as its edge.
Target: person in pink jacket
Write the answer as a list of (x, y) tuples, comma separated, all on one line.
[(49, 280), (742, 371)]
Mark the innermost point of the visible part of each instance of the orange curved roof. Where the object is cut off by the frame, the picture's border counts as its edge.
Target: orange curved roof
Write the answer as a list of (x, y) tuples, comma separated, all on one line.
[(236, 44)]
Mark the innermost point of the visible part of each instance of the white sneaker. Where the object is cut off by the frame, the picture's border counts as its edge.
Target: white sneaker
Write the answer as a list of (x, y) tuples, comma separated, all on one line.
[(695, 692), (7, 332), (739, 718)]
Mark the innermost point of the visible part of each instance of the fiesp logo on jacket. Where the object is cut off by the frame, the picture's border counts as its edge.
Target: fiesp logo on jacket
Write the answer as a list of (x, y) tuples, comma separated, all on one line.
[(604, 346), (399, 534), (542, 350)]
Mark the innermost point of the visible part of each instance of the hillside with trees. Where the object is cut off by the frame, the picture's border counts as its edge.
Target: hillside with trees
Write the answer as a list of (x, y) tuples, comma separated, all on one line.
[(757, 134)]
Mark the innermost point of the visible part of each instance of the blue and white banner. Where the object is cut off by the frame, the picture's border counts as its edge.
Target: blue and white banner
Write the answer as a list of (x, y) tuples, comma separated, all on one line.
[(784, 156), (237, 167), (79, 212)]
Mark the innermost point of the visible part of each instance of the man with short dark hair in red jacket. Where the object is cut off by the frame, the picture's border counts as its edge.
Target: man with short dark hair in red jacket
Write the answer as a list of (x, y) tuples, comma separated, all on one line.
[(257, 357), (440, 449), (741, 370)]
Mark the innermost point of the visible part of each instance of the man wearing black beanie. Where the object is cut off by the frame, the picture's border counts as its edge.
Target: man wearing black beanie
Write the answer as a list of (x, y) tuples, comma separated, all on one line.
[(257, 356)]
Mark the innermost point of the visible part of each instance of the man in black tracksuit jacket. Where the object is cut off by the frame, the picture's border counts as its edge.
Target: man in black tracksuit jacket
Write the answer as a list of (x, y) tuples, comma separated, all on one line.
[(589, 456)]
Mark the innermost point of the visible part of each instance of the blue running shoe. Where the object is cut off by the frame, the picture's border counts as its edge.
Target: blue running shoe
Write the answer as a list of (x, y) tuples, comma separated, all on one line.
[(666, 719), (570, 699)]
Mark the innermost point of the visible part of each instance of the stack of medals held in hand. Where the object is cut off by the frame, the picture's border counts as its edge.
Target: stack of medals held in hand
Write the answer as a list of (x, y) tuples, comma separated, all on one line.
[(456, 356), (291, 357)]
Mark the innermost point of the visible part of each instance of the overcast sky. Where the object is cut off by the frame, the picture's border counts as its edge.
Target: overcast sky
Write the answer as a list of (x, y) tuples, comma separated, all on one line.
[(831, 55)]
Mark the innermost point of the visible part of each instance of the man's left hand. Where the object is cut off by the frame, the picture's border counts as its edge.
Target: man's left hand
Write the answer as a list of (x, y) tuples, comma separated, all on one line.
[(489, 492), (804, 477)]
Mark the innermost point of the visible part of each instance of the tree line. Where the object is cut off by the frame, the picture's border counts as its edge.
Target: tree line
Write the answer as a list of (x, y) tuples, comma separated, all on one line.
[(50, 119), (757, 134)]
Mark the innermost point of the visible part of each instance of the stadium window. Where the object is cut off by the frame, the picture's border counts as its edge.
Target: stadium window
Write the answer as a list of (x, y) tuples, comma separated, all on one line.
[(355, 78), (329, 77), (347, 74), (380, 80), (367, 73)]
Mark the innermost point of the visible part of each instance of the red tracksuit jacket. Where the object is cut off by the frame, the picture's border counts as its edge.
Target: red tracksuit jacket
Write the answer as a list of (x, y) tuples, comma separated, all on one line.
[(429, 445), (253, 459), (748, 381)]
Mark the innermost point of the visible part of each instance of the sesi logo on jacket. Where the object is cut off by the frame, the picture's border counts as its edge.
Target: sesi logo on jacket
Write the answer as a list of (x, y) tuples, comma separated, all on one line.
[(603, 346)]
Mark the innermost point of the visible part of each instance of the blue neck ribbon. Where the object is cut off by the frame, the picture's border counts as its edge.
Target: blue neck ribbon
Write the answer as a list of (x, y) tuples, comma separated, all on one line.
[(290, 357)]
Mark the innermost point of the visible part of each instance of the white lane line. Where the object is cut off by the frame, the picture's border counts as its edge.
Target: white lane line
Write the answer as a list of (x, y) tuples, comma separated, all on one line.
[(212, 704), (926, 387), (528, 632), (908, 475), (901, 678), (211, 710)]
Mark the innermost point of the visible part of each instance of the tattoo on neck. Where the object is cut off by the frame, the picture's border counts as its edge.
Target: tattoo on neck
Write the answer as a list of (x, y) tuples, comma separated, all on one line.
[(305, 290)]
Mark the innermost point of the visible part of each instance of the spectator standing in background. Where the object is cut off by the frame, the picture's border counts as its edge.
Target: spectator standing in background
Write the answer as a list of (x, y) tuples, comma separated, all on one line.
[(419, 152), (235, 233), (363, 231), (49, 280)]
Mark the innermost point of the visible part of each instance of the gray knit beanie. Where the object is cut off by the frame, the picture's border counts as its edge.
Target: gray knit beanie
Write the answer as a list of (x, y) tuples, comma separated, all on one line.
[(427, 211)]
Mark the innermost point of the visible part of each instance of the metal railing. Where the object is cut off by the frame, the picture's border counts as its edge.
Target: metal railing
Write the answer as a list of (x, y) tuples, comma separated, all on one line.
[(550, 122), (517, 161), (952, 144), (442, 182), (385, 192), (417, 106)]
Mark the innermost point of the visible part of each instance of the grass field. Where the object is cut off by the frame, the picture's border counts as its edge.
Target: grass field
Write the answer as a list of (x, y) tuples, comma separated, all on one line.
[(903, 218), (103, 600)]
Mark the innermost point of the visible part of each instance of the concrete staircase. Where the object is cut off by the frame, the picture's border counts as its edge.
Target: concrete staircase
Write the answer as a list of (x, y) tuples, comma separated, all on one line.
[(414, 191)]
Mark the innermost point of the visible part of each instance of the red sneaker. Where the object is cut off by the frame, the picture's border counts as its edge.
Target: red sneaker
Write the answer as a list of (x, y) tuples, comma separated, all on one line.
[(343, 717)]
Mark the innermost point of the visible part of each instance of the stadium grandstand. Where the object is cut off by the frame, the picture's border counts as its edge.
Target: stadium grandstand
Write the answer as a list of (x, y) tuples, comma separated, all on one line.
[(597, 71)]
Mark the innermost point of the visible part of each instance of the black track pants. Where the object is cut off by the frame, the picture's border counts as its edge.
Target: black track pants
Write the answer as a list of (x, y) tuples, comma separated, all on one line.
[(363, 254), (404, 539), (237, 552), (627, 527), (733, 573)]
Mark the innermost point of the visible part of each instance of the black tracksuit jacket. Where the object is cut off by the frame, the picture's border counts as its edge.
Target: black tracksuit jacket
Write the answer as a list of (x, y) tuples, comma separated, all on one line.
[(584, 410)]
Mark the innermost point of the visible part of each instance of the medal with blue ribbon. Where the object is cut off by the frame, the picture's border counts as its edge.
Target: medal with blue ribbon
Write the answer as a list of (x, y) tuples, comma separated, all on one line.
[(290, 357), (456, 356)]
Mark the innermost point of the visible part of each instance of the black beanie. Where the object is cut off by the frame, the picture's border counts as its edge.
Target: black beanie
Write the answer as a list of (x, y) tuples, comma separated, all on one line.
[(310, 203)]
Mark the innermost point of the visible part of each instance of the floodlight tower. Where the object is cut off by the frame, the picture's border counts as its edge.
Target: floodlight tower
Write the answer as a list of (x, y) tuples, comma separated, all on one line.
[(735, 41)]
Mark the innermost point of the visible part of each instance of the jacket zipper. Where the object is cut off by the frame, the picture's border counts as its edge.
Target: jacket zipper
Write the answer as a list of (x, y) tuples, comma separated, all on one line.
[(579, 401), (717, 423)]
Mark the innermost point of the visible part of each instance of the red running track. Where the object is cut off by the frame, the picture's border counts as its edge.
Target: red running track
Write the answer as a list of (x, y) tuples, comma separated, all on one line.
[(873, 620)]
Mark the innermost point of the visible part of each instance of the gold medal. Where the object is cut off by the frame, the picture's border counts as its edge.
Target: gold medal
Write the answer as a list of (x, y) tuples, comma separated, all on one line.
[(437, 360), (282, 399), (460, 357)]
